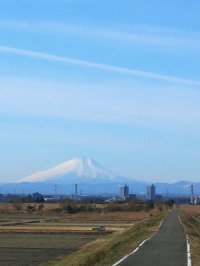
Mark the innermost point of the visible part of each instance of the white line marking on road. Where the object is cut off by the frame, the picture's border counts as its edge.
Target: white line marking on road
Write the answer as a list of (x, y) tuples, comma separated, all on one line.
[(189, 262), (135, 250)]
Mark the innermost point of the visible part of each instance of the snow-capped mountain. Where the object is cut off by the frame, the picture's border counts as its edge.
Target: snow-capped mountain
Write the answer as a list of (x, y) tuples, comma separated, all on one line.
[(77, 169), (92, 178)]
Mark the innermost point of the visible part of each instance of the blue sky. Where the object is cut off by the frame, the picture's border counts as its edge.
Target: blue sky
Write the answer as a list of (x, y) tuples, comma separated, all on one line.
[(114, 80)]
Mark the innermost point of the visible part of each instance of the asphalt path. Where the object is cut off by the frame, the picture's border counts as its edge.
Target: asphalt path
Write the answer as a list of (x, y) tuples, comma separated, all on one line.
[(168, 247)]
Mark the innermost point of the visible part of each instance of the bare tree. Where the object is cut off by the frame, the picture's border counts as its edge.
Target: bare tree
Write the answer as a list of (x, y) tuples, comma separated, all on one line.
[(65, 202), (40, 207), (160, 204), (17, 204)]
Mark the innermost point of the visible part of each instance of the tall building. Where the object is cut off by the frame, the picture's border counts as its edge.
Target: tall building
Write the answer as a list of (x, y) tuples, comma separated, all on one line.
[(76, 189), (151, 192), (124, 191), (192, 194)]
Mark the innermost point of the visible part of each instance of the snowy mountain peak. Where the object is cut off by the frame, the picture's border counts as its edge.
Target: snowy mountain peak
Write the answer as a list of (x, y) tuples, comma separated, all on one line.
[(82, 167)]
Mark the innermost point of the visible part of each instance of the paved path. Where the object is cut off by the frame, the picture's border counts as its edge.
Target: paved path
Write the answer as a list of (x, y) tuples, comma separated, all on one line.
[(168, 247)]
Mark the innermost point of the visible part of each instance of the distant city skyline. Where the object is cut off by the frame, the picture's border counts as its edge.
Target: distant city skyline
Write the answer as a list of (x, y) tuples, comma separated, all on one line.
[(114, 81)]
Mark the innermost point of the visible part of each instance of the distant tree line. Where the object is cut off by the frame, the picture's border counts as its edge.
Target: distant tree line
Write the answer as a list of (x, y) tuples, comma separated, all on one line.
[(68, 205), (134, 205)]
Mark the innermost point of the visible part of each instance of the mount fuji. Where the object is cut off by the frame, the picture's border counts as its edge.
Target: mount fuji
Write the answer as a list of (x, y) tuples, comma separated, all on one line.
[(82, 169), (92, 178)]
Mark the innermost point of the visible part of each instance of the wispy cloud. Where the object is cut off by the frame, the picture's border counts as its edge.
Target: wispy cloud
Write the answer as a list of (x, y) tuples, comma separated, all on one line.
[(138, 34), (68, 60), (139, 105)]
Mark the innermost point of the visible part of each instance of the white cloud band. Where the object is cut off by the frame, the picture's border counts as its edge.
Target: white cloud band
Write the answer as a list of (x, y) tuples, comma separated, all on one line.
[(68, 60)]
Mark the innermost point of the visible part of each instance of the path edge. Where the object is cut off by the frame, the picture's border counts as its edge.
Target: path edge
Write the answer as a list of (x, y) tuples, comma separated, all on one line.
[(189, 261), (137, 248)]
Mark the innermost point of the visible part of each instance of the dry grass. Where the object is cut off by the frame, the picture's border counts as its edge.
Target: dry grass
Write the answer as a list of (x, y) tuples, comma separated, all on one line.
[(190, 216), (50, 207), (53, 229), (122, 216), (193, 210), (42, 229), (8, 207)]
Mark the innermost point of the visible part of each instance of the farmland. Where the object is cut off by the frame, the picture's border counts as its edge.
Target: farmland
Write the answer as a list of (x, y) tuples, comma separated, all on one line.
[(34, 238), (33, 249)]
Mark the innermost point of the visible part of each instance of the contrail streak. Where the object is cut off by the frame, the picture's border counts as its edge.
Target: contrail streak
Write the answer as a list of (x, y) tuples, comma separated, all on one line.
[(97, 65)]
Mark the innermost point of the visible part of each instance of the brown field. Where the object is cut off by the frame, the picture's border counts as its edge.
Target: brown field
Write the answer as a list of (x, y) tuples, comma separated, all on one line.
[(8, 207), (193, 210), (130, 216), (34, 238), (50, 207), (33, 249)]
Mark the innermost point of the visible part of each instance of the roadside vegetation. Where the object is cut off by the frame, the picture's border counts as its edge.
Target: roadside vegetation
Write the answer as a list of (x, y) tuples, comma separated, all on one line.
[(190, 217), (110, 249)]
